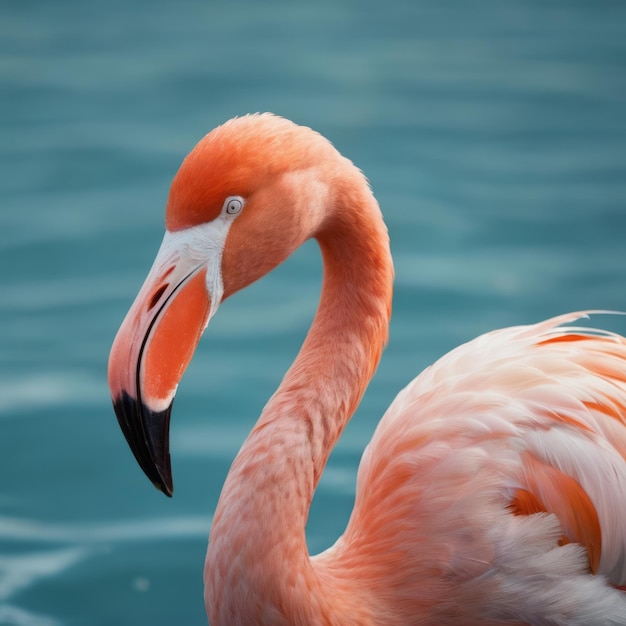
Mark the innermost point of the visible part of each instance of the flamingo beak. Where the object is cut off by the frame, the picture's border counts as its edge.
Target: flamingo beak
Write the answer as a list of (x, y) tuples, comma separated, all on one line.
[(150, 353)]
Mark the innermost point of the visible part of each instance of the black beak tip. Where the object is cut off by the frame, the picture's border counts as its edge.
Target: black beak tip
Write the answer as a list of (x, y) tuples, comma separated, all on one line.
[(147, 434), (165, 485)]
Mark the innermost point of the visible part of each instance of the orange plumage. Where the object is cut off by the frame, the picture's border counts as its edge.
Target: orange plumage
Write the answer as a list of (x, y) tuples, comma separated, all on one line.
[(492, 491)]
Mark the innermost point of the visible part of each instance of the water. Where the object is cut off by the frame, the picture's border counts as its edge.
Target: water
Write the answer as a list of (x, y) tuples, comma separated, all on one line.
[(494, 136)]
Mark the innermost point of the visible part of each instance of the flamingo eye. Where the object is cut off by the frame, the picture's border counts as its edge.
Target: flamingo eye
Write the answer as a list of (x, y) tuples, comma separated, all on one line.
[(233, 205)]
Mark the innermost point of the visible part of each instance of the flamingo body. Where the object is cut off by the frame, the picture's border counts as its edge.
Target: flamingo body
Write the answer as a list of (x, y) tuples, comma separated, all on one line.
[(468, 460), (493, 489)]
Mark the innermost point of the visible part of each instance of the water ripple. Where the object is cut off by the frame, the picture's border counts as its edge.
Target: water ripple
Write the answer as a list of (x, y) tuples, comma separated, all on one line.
[(20, 572), (15, 616), (20, 529)]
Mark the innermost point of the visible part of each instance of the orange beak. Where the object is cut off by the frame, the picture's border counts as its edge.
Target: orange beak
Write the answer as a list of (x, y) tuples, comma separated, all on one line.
[(151, 351)]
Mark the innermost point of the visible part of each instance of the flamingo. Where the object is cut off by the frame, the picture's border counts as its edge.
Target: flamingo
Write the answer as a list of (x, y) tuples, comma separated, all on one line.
[(493, 489)]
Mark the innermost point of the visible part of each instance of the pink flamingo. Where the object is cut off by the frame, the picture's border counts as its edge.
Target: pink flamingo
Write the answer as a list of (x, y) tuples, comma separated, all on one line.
[(493, 490)]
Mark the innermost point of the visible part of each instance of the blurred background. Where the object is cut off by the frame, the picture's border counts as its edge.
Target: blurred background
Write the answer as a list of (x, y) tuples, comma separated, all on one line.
[(494, 136)]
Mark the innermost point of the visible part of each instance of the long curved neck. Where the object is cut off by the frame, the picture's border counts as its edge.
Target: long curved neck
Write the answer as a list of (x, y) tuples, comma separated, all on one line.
[(258, 568)]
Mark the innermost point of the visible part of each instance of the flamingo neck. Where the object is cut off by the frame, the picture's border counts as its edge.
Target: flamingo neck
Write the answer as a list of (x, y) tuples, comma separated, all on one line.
[(258, 568)]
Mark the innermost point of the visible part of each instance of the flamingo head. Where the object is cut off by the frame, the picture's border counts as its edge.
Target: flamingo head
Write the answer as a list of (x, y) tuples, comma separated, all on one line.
[(247, 195)]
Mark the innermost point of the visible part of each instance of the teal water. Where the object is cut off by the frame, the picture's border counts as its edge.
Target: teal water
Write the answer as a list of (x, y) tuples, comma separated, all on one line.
[(493, 133)]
